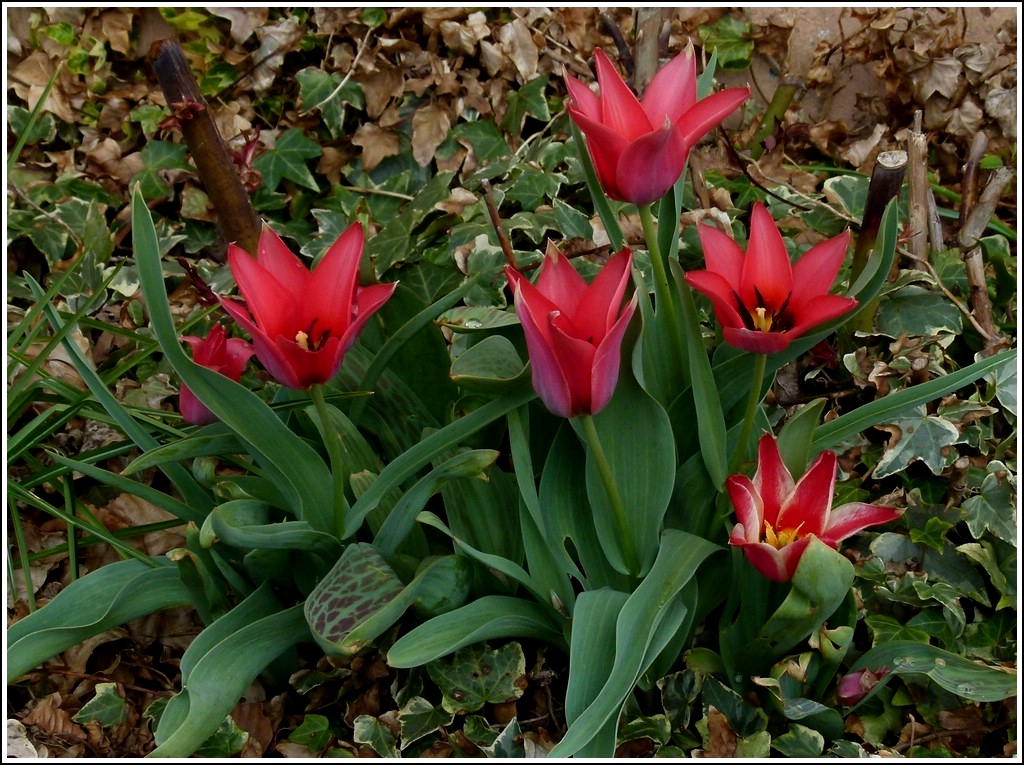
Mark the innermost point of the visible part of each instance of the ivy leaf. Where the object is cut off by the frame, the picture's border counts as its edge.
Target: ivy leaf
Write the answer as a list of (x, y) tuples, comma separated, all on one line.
[(933, 534), (288, 160), (484, 138), (914, 310), (158, 156), (106, 707), (919, 437), (375, 734), (476, 675), (527, 101), (730, 38), (418, 718), (316, 85), (995, 508)]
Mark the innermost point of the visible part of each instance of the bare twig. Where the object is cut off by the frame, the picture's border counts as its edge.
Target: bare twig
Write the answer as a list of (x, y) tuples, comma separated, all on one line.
[(625, 55), (917, 179), (886, 181), (977, 221), (235, 214), (347, 77), (645, 47), (969, 184), (499, 227)]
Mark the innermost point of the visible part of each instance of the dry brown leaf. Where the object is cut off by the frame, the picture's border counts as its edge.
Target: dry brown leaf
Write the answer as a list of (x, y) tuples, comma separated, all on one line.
[(457, 201), (244, 21), (379, 87), (116, 27), (721, 739), (29, 79), (517, 43), (276, 40), (430, 125), (377, 144), (49, 717)]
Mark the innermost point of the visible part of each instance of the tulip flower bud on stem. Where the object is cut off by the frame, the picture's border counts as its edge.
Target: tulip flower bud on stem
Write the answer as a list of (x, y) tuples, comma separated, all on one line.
[(238, 221)]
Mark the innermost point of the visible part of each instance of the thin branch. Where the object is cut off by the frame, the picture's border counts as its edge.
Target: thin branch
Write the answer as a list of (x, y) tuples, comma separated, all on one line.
[(499, 227)]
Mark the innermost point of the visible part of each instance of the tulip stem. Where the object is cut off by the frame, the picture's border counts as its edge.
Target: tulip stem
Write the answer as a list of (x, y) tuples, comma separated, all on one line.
[(760, 362), (334, 451), (605, 470), (661, 279)]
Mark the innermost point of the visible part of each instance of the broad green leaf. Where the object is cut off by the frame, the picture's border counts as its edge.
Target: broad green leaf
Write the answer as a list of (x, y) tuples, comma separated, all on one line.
[(745, 718), (487, 618), (1005, 381), (646, 622), (236, 524), (849, 191), (885, 629), (1000, 563), (220, 677), (506, 745), (477, 675), (288, 160), (409, 462), (361, 592), (643, 470), (402, 518), (961, 677), (530, 101), (917, 436), (226, 741), (656, 727), (491, 366), (109, 596), (376, 735), (106, 707), (995, 508), (207, 441), (795, 437)]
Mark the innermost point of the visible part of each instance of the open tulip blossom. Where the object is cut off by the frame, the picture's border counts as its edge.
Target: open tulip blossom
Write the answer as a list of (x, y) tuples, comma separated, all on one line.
[(777, 516), (639, 147), (302, 322), (574, 330), (763, 301), (220, 353)]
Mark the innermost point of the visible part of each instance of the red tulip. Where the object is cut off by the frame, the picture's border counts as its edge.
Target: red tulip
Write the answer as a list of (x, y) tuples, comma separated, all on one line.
[(220, 353), (762, 301), (302, 322), (574, 330), (778, 517), (639, 147)]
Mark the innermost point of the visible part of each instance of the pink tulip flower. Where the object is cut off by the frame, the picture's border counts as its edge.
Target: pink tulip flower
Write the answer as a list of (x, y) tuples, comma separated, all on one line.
[(639, 147), (574, 330), (220, 353), (762, 301), (777, 517), (856, 685), (303, 322)]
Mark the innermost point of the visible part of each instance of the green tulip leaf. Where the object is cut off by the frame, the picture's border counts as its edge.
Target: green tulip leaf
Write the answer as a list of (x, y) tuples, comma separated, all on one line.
[(491, 366), (109, 596)]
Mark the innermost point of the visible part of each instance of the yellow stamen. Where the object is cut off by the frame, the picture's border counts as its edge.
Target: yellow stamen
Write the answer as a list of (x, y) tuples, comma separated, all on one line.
[(302, 339), (762, 319), (780, 539)]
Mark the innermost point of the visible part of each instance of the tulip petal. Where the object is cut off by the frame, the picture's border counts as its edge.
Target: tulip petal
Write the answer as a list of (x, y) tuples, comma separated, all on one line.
[(575, 358), (548, 379), (709, 112), (236, 356), (772, 481), (193, 411), (673, 91), (277, 258), (807, 508), (599, 308), (368, 300), (755, 341), (722, 255), (852, 517), (770, 562), (559, 282), (272, 306), (605, 374), (720, 293), (748, 505), (766, 269), (583, 98), (605, 147), (620, 109), (336, 279), (816, 269), (650, 165), (819, 310)]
